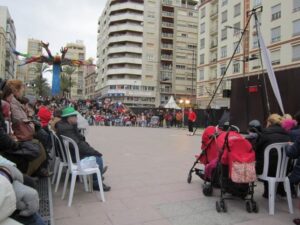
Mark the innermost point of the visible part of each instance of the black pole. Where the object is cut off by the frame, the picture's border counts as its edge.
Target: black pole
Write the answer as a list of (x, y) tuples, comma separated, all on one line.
[(253, 11)]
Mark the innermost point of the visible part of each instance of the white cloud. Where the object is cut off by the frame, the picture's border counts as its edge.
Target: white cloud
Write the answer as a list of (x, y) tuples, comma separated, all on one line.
[(56, 22)]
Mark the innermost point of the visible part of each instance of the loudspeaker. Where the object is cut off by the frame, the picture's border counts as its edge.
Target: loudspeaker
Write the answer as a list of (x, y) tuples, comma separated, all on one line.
[(226, 93)]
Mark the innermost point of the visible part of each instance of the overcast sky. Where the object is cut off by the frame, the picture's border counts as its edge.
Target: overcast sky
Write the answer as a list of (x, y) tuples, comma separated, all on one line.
[(56, 21)]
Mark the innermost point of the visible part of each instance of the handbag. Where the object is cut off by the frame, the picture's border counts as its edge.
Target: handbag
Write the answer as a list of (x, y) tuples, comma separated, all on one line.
[(23, 131), (243, 172), (27, 150)]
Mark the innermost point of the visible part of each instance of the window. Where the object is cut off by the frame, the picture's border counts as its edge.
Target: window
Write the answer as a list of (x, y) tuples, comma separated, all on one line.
[(275, 33), (224, 16), (296, 52), (224, 34), (222, 70), (223, 51), (201, 75), (296, 6), (296, 27), (202, 28), (237, 10), (256, 3), (202, 59), (276, 12), (181, 67), (236, 67), (224, 2), (275, 57), (237, 28), (255, 42), (184, 35), (235, 44), (190, 14), (203, 12), (202, 43)]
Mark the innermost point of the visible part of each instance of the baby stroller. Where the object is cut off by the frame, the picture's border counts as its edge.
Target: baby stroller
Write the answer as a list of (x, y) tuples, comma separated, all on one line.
[(233, 170), (154, 122)]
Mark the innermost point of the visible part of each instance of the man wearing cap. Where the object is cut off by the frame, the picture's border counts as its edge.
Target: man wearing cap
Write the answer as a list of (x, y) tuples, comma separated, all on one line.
[(68, 127)]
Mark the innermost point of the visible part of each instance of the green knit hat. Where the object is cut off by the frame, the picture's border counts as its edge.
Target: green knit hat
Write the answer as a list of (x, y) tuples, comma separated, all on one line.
[(69, 111)]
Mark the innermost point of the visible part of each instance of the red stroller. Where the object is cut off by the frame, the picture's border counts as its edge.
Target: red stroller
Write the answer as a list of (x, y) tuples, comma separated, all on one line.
[(229, 164)]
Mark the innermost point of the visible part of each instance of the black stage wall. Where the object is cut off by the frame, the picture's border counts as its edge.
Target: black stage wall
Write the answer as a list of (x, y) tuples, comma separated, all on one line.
[(247, 103)]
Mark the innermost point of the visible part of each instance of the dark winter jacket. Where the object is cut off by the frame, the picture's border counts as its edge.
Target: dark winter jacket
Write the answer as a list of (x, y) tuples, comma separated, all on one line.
[(293, 151), (270, 135), (295, 133), (71, 131)]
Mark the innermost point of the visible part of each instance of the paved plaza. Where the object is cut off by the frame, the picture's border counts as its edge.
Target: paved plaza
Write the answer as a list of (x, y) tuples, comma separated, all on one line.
[(147, 171)]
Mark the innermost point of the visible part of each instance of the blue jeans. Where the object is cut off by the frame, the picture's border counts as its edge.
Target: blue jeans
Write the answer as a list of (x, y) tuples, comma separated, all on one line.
[(99, 161)]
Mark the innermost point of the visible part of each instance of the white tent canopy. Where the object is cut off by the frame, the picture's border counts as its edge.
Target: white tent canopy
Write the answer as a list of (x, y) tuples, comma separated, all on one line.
[(172, 104)]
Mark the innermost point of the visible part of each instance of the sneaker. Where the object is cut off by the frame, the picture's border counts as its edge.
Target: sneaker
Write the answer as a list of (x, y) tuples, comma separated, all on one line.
[(105, 188)]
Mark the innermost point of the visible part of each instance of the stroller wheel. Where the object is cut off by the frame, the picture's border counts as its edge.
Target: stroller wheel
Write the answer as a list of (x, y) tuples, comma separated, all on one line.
[(189, 179), (249, 206), (207, 189), (223, 205), (218, 208), (255, 207)]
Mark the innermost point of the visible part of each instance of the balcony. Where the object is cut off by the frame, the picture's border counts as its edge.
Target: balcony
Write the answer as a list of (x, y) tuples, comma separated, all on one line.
[(167, 46), (167, 57), (119, 49), (166, 90), (127, 16), (124, 70), (213, 45), (167, 24), (127, 5), (166, 77), (167, 14), (167, 35), (166, 68), (214, 13), (122, 38), (213, 60), (123, 82), (213, 30), (125, 27), (124, 59)]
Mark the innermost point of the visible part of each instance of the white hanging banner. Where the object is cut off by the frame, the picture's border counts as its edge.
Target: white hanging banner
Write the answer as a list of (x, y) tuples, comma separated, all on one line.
[(268, 64)]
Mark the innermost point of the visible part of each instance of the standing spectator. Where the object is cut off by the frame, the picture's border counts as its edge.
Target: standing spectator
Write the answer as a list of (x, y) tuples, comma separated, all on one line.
[(179, 119), (191, 120)]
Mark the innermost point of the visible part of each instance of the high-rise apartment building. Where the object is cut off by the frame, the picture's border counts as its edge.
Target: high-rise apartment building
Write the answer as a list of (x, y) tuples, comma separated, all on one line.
[(7, 24), (89, 84), (2, 52), (221, 23), (34, 48), (77, 51), (146, 51)]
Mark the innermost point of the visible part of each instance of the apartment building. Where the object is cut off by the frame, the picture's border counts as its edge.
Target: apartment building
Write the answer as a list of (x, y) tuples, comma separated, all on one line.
[(7, 24), (34, 48), (89, 84), (77, 51), (2, 52), (139, 48), (221, 23)]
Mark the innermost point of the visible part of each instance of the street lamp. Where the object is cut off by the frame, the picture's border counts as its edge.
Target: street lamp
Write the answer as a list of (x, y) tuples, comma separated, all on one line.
[(184, 102)]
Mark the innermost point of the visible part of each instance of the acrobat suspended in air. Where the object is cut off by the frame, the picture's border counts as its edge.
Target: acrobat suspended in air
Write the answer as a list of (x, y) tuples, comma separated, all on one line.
[(57, 62)]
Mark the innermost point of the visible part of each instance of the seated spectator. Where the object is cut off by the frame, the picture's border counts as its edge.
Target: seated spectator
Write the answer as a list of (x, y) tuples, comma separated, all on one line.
[(293, 151), (273, 133), (19, 197), (44, 114), (295, 131), (68, 127), (55, 119)]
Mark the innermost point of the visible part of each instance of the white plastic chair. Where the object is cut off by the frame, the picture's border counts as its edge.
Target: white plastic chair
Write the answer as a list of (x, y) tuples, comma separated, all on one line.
[(75, 170), (282, 162), (60, 163)]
